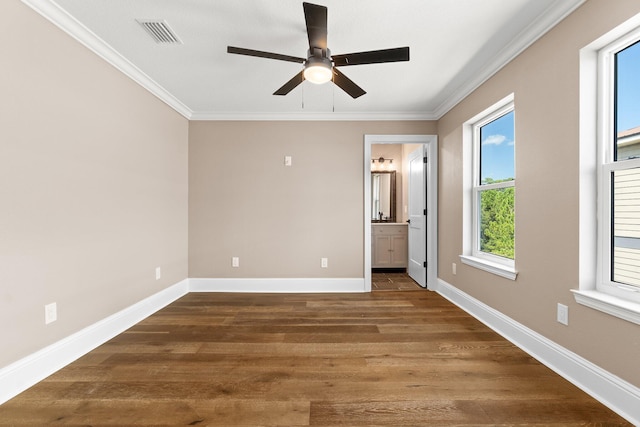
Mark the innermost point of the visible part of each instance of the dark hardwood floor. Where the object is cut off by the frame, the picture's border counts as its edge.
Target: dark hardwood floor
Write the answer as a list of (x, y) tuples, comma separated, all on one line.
[(380, 359)]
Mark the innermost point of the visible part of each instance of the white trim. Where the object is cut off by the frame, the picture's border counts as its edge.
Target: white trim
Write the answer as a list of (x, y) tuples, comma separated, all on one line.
[(70, 25), (26, 372), (550, 18), (595, 126), (432, 211), (270, 285), (471, 254), (612, 391), (502, 270), (431, 143), (367, 212), (604, 273), (312, 116), (617, 394), (619, 307)]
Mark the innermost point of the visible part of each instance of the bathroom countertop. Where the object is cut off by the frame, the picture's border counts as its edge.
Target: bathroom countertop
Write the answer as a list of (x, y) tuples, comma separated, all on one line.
[(389, 223)]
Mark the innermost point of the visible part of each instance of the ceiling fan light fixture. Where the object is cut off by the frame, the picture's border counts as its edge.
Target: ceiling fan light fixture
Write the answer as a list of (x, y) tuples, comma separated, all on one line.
[(319, 66), (318, 70)]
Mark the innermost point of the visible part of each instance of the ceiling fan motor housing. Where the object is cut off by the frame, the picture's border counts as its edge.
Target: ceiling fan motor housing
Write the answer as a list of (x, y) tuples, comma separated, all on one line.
[(317, 67)]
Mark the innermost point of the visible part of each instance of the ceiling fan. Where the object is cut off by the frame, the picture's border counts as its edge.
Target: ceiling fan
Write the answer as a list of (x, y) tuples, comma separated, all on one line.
[(319, 65)]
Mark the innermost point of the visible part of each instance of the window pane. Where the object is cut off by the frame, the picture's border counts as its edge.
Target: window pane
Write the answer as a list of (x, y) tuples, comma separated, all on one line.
[(625, 264), (627, 102), (497, 150), (497, 222)]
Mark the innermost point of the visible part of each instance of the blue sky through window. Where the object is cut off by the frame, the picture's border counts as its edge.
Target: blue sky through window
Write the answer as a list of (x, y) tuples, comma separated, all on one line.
[(628, 92), (497, 149)]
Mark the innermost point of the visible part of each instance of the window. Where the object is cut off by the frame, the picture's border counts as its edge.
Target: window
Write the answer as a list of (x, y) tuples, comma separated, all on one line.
[(611, 64), (489, 222), (619, 172)]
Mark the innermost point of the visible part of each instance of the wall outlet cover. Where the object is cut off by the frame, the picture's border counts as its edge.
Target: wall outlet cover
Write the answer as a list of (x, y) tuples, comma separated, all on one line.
[(563, 314), (50, 313)]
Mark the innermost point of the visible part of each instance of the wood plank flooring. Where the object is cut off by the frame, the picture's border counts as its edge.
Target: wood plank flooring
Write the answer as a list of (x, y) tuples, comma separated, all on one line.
[(391, 280), (380, 359)]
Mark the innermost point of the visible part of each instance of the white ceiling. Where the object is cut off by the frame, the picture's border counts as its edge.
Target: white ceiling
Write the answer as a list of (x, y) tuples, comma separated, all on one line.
[(454, 46)]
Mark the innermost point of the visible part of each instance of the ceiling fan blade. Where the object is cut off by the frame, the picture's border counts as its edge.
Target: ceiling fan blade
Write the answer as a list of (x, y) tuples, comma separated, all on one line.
[(291, 84), (261, 54), (316, 19), (372, 57), (344, 83)]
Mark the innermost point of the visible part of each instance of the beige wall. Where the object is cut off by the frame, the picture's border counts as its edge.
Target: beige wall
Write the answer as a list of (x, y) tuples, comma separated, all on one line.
[(93, 191), (280, 220), (93, 186), (545, 82)]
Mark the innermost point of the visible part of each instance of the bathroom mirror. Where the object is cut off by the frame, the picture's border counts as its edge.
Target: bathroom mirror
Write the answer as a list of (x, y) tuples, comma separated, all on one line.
[(383, 196)]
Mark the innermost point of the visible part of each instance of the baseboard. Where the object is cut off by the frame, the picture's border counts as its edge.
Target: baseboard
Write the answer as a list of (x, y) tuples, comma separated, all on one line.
[(26, 372), (319, 285), (617, 394), (19, 376)]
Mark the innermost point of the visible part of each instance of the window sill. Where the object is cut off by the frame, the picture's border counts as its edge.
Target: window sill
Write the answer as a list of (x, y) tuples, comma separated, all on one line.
[(609, 304), (492, 267)]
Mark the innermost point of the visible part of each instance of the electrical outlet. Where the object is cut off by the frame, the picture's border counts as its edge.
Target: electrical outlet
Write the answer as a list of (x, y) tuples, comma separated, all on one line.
[(324, 262), (235, 262), (287, 160), (563, 314), (50, 313), (158, 273), (453, 268)]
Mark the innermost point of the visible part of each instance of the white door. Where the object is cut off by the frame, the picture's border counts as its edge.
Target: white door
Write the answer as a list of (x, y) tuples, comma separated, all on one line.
[(417, 218)]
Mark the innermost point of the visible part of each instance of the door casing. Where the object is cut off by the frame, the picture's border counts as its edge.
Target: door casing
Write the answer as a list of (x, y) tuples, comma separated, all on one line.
[(431, 172)]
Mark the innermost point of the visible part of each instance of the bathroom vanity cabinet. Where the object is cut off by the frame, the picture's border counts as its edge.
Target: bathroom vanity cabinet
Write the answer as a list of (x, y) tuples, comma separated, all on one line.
[(389, 245)]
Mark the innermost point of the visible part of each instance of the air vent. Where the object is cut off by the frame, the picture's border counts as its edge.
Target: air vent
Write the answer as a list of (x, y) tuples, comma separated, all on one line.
[(159, 31)]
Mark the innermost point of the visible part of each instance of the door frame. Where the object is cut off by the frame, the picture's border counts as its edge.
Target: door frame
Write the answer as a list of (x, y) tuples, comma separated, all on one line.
[(431, 172)]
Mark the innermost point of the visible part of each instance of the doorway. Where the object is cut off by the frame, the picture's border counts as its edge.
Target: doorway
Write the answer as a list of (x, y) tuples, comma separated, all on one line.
[(424, 217), (392, 280)]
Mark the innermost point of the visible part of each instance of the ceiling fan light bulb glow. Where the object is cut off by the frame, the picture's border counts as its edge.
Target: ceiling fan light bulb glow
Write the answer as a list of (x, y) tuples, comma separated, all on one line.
[(317, 73)]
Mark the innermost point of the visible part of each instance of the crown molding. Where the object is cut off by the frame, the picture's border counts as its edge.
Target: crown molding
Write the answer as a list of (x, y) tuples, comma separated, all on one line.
[(59, 17), (312, 116), (67, 23), (529, 35)]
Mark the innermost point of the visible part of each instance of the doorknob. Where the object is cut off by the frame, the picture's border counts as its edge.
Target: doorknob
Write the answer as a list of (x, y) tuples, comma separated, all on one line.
[(409, 221)]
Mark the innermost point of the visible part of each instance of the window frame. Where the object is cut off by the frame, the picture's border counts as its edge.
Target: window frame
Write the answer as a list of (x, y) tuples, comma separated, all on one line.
[(472, 255), (597, 127), (607, 164)]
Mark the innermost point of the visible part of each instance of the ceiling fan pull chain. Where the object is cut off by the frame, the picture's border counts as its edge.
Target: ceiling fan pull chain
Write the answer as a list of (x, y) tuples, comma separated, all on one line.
[(333, 92), (320, 66)]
